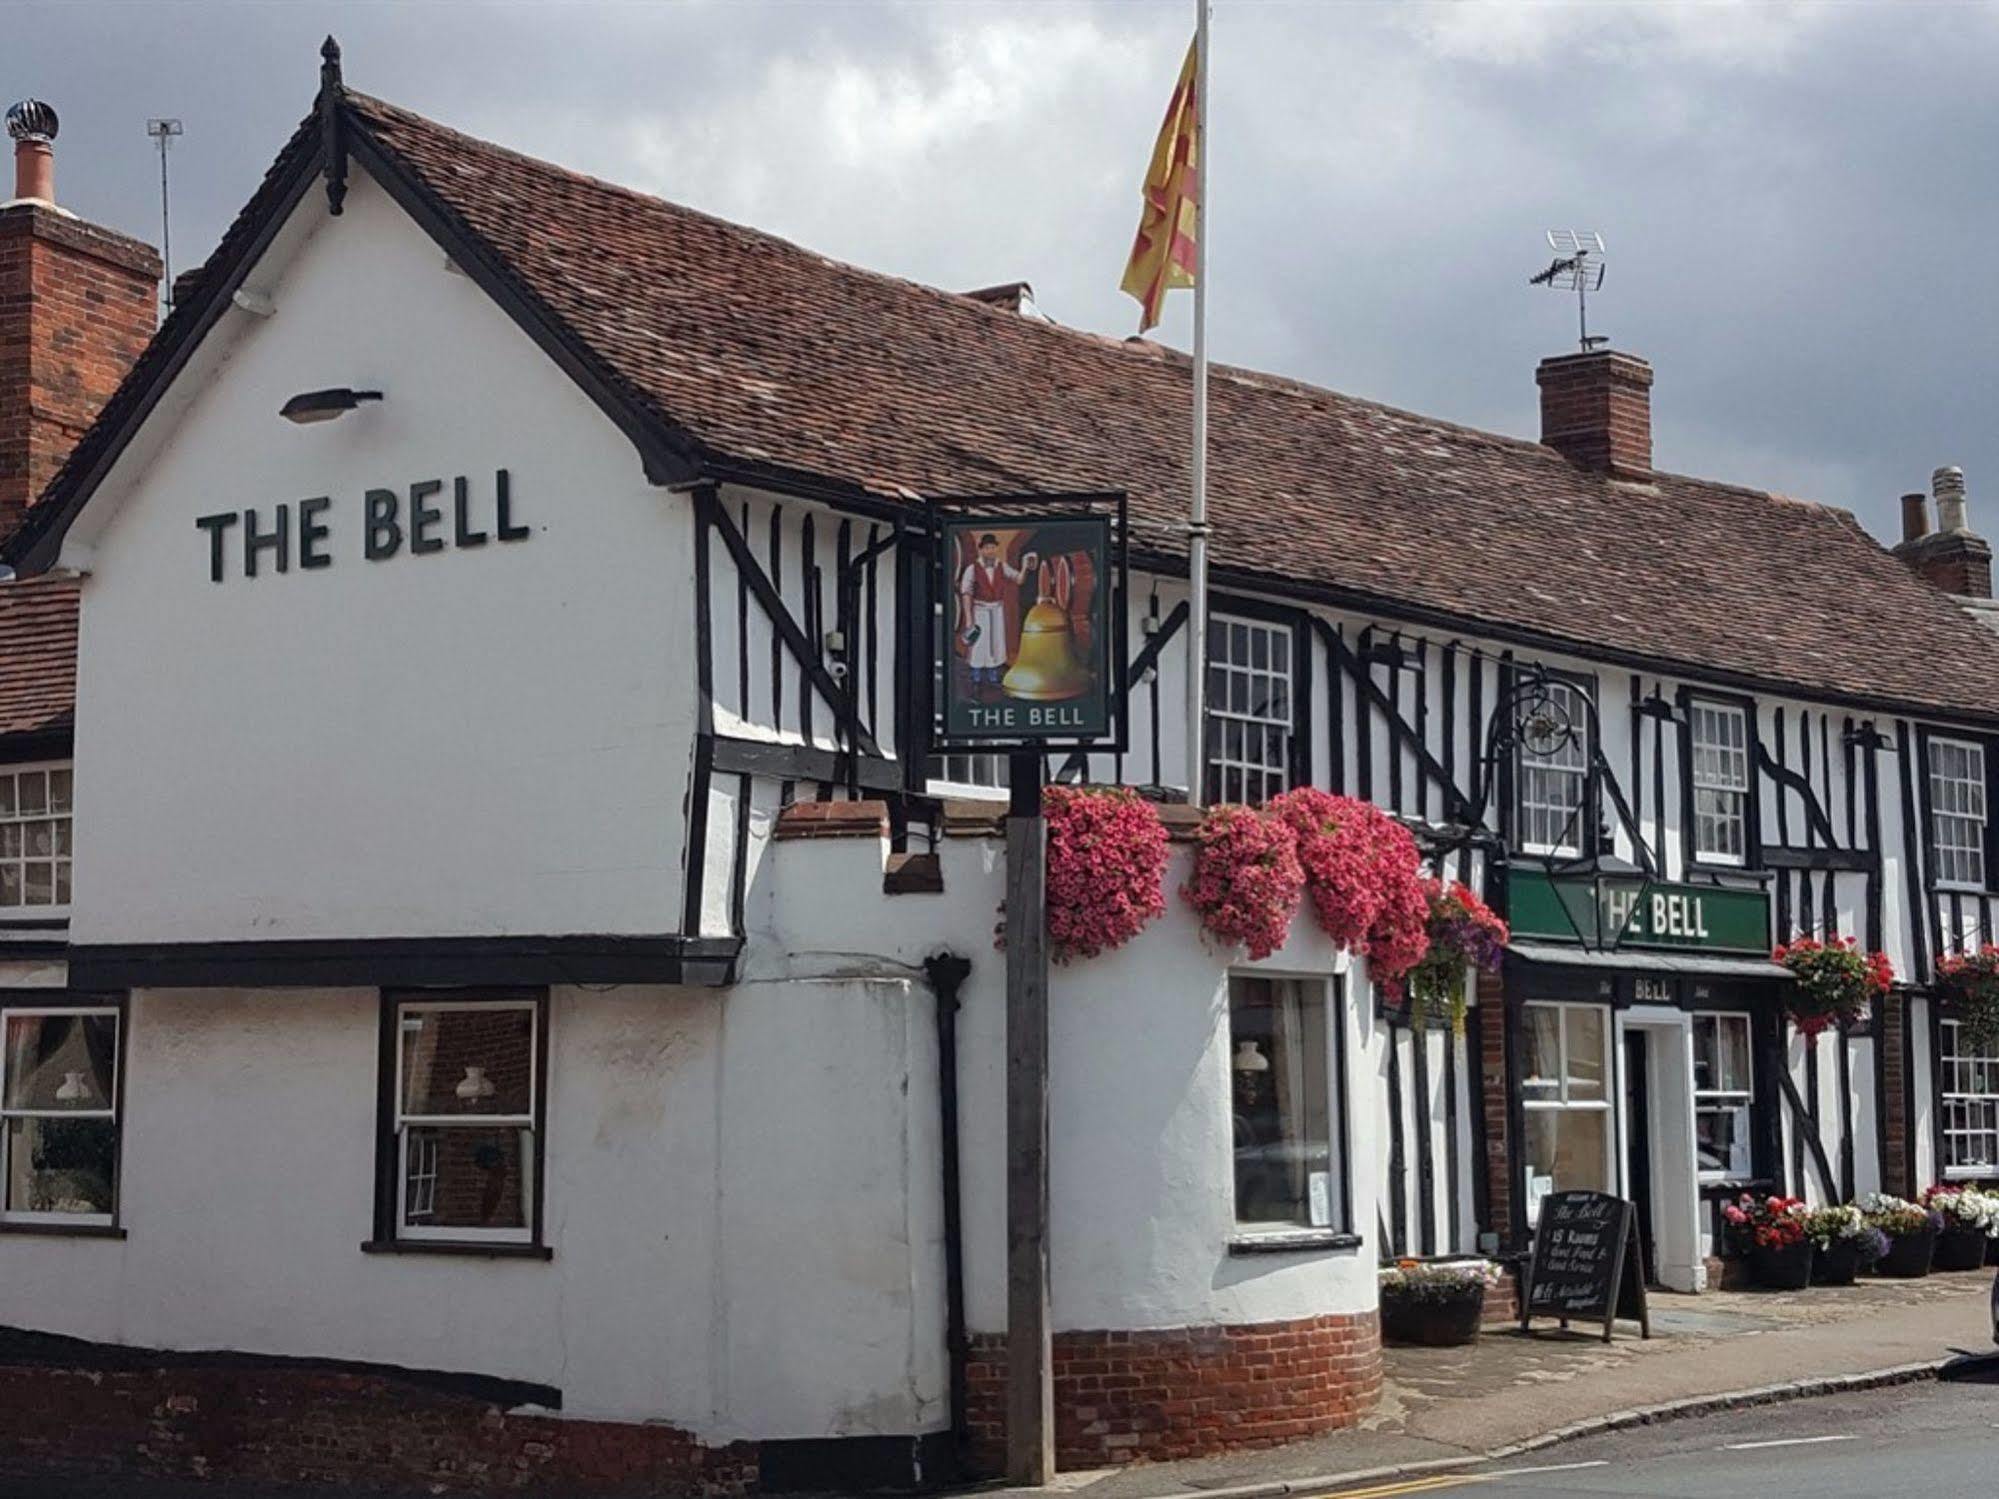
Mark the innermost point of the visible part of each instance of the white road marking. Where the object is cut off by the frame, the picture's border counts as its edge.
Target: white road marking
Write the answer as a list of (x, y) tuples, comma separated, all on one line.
[(1601, 1462), (1783, 1442)]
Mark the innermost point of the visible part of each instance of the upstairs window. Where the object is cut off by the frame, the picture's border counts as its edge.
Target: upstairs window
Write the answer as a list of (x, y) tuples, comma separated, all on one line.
[(1720, 737), (975, 774), (1957, 808), (1552, 781), (34, 840), (59, 1115), (1250, 710)]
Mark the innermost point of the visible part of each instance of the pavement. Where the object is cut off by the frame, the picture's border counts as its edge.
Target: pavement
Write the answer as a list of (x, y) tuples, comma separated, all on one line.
[(1512, 1393)]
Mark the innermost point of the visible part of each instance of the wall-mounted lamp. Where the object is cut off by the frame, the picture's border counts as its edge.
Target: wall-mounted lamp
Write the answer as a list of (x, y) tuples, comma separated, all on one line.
[(325, 405)]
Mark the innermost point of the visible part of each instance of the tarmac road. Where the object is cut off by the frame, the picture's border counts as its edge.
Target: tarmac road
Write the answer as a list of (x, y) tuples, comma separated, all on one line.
[(1937, 1440)]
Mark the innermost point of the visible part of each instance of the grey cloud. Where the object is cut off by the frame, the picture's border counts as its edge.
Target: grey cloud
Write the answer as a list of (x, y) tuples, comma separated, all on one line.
[(1796, 199)]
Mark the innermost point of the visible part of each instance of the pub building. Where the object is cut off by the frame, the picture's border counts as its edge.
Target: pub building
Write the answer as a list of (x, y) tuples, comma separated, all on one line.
[(500, 991)]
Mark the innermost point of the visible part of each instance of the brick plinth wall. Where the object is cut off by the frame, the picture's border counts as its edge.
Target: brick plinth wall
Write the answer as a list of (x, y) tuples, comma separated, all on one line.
[(1125, 1397), (1491, 1016), (1894, 1100), (1502, 1301), (357, 1433)]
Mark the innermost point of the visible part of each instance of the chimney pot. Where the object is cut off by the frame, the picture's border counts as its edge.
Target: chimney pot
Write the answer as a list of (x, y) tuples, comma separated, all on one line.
[(1947, 484), (34, 126), (1596, 410), (1915, 516)]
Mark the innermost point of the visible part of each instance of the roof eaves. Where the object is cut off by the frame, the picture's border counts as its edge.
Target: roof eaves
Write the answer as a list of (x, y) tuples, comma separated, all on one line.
[(670, 455)]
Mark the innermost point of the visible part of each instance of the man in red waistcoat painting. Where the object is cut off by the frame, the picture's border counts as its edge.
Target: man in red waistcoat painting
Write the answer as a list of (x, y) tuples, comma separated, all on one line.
[(986, 587)]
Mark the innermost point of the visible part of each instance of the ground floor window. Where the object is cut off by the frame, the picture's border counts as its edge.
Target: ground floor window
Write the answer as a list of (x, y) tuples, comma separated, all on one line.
[(1970, 1104), (462, 1119), (59, 1114), (1723, 1092), (1565, 1091), (1284, 1060)]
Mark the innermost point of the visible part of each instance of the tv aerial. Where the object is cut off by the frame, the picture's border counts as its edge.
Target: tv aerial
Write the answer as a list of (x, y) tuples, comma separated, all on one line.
[(1578, 267)]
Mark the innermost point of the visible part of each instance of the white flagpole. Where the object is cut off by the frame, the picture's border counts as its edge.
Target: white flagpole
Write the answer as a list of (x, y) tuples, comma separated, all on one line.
[(1197, 527)]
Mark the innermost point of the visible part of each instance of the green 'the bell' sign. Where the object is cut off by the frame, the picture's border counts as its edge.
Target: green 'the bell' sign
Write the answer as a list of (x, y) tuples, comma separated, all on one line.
[(1651, 913)]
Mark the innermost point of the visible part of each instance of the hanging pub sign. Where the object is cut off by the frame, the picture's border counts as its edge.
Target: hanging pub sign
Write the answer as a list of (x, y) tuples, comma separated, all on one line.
[(1031, 634)]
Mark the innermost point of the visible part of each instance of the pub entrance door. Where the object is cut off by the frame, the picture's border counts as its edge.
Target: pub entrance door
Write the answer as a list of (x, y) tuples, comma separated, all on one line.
[(1638, 1146)]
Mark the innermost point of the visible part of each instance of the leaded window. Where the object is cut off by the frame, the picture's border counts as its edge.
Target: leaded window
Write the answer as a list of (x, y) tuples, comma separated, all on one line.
[(1720, 737), (1250, 709), (1553, 778), (35, 810), (1957, 809), (1970, 1103)]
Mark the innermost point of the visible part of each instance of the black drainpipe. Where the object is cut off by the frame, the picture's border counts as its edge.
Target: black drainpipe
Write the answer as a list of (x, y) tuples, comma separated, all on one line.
[(946, 972)]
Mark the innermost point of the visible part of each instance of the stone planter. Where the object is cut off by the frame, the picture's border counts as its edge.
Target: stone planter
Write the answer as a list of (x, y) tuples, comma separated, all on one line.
[(1960, 1247), (1432, 1321), (1837, 1264), (1786, 1269), (1908, 1255)]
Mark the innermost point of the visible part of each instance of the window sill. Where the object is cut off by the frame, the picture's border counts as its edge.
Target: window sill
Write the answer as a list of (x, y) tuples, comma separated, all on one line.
[(64, 1230), (462, 1248), (1292, 1241)]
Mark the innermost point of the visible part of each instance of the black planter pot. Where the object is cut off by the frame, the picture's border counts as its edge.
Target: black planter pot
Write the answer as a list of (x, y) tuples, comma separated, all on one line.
[(1432, 1321), (1908, 1255), (1960, 1247), (1786, 1269), (1992, 1251), (1837, 1264)]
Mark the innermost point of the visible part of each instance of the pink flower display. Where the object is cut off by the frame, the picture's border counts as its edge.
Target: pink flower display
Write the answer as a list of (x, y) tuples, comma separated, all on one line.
[(1106, 868), (1247, 883), (1365, 878)]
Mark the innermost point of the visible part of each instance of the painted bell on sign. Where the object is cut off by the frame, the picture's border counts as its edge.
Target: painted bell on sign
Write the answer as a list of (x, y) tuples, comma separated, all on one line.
[(1045, 670)]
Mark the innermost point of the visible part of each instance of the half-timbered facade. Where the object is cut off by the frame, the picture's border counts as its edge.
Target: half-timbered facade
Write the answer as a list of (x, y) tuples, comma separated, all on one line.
[(548, 956)]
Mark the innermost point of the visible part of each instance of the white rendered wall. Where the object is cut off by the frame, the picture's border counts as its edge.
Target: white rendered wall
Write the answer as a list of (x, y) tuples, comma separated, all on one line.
[(1142, 1148), (740, 1199), (483, 741)]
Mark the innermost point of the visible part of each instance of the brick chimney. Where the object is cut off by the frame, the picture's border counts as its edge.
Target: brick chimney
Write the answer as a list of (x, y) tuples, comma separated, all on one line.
[(1596, 410), (1953, 557), (77, 305)]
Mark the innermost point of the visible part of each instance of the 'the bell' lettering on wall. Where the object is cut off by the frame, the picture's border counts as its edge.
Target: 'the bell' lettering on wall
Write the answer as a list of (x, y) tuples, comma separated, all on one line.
[(417, 520)]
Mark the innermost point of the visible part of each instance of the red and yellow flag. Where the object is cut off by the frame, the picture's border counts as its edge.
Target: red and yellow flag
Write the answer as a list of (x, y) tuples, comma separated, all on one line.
[(1163, 255)]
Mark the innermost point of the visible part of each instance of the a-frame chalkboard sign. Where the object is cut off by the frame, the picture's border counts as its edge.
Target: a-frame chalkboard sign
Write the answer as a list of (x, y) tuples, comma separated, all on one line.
[(1585, 1264)]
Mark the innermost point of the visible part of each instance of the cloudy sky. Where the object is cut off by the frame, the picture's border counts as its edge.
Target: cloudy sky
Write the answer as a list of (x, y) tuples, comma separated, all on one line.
[(1798, 200)]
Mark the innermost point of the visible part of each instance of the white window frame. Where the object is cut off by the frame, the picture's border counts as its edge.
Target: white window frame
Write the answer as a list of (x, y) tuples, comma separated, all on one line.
[(401, 1123), (1216, 762), (1742, 1100), (1527, 765), (1329, 992), (1979, 1107), (973, 766), (59, 863), (1561, 1102), (1720, 769), (110, 1111), (1968, 812)]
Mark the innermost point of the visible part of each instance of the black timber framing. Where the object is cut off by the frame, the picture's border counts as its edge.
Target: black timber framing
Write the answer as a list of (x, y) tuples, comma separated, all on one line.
[(1402, 735), (1426, 1169), (1398, 1171), (405, 962)]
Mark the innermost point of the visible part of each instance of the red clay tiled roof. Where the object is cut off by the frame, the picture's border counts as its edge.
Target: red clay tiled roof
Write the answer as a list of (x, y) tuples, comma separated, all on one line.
[(37, 655), (760, 350)]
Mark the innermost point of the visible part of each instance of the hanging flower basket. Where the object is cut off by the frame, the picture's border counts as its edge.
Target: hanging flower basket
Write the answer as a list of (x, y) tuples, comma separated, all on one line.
[(1106, 869), (1836, 982), (1970, 986), (1247, 883), (1364, 875), (1461, 934)]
